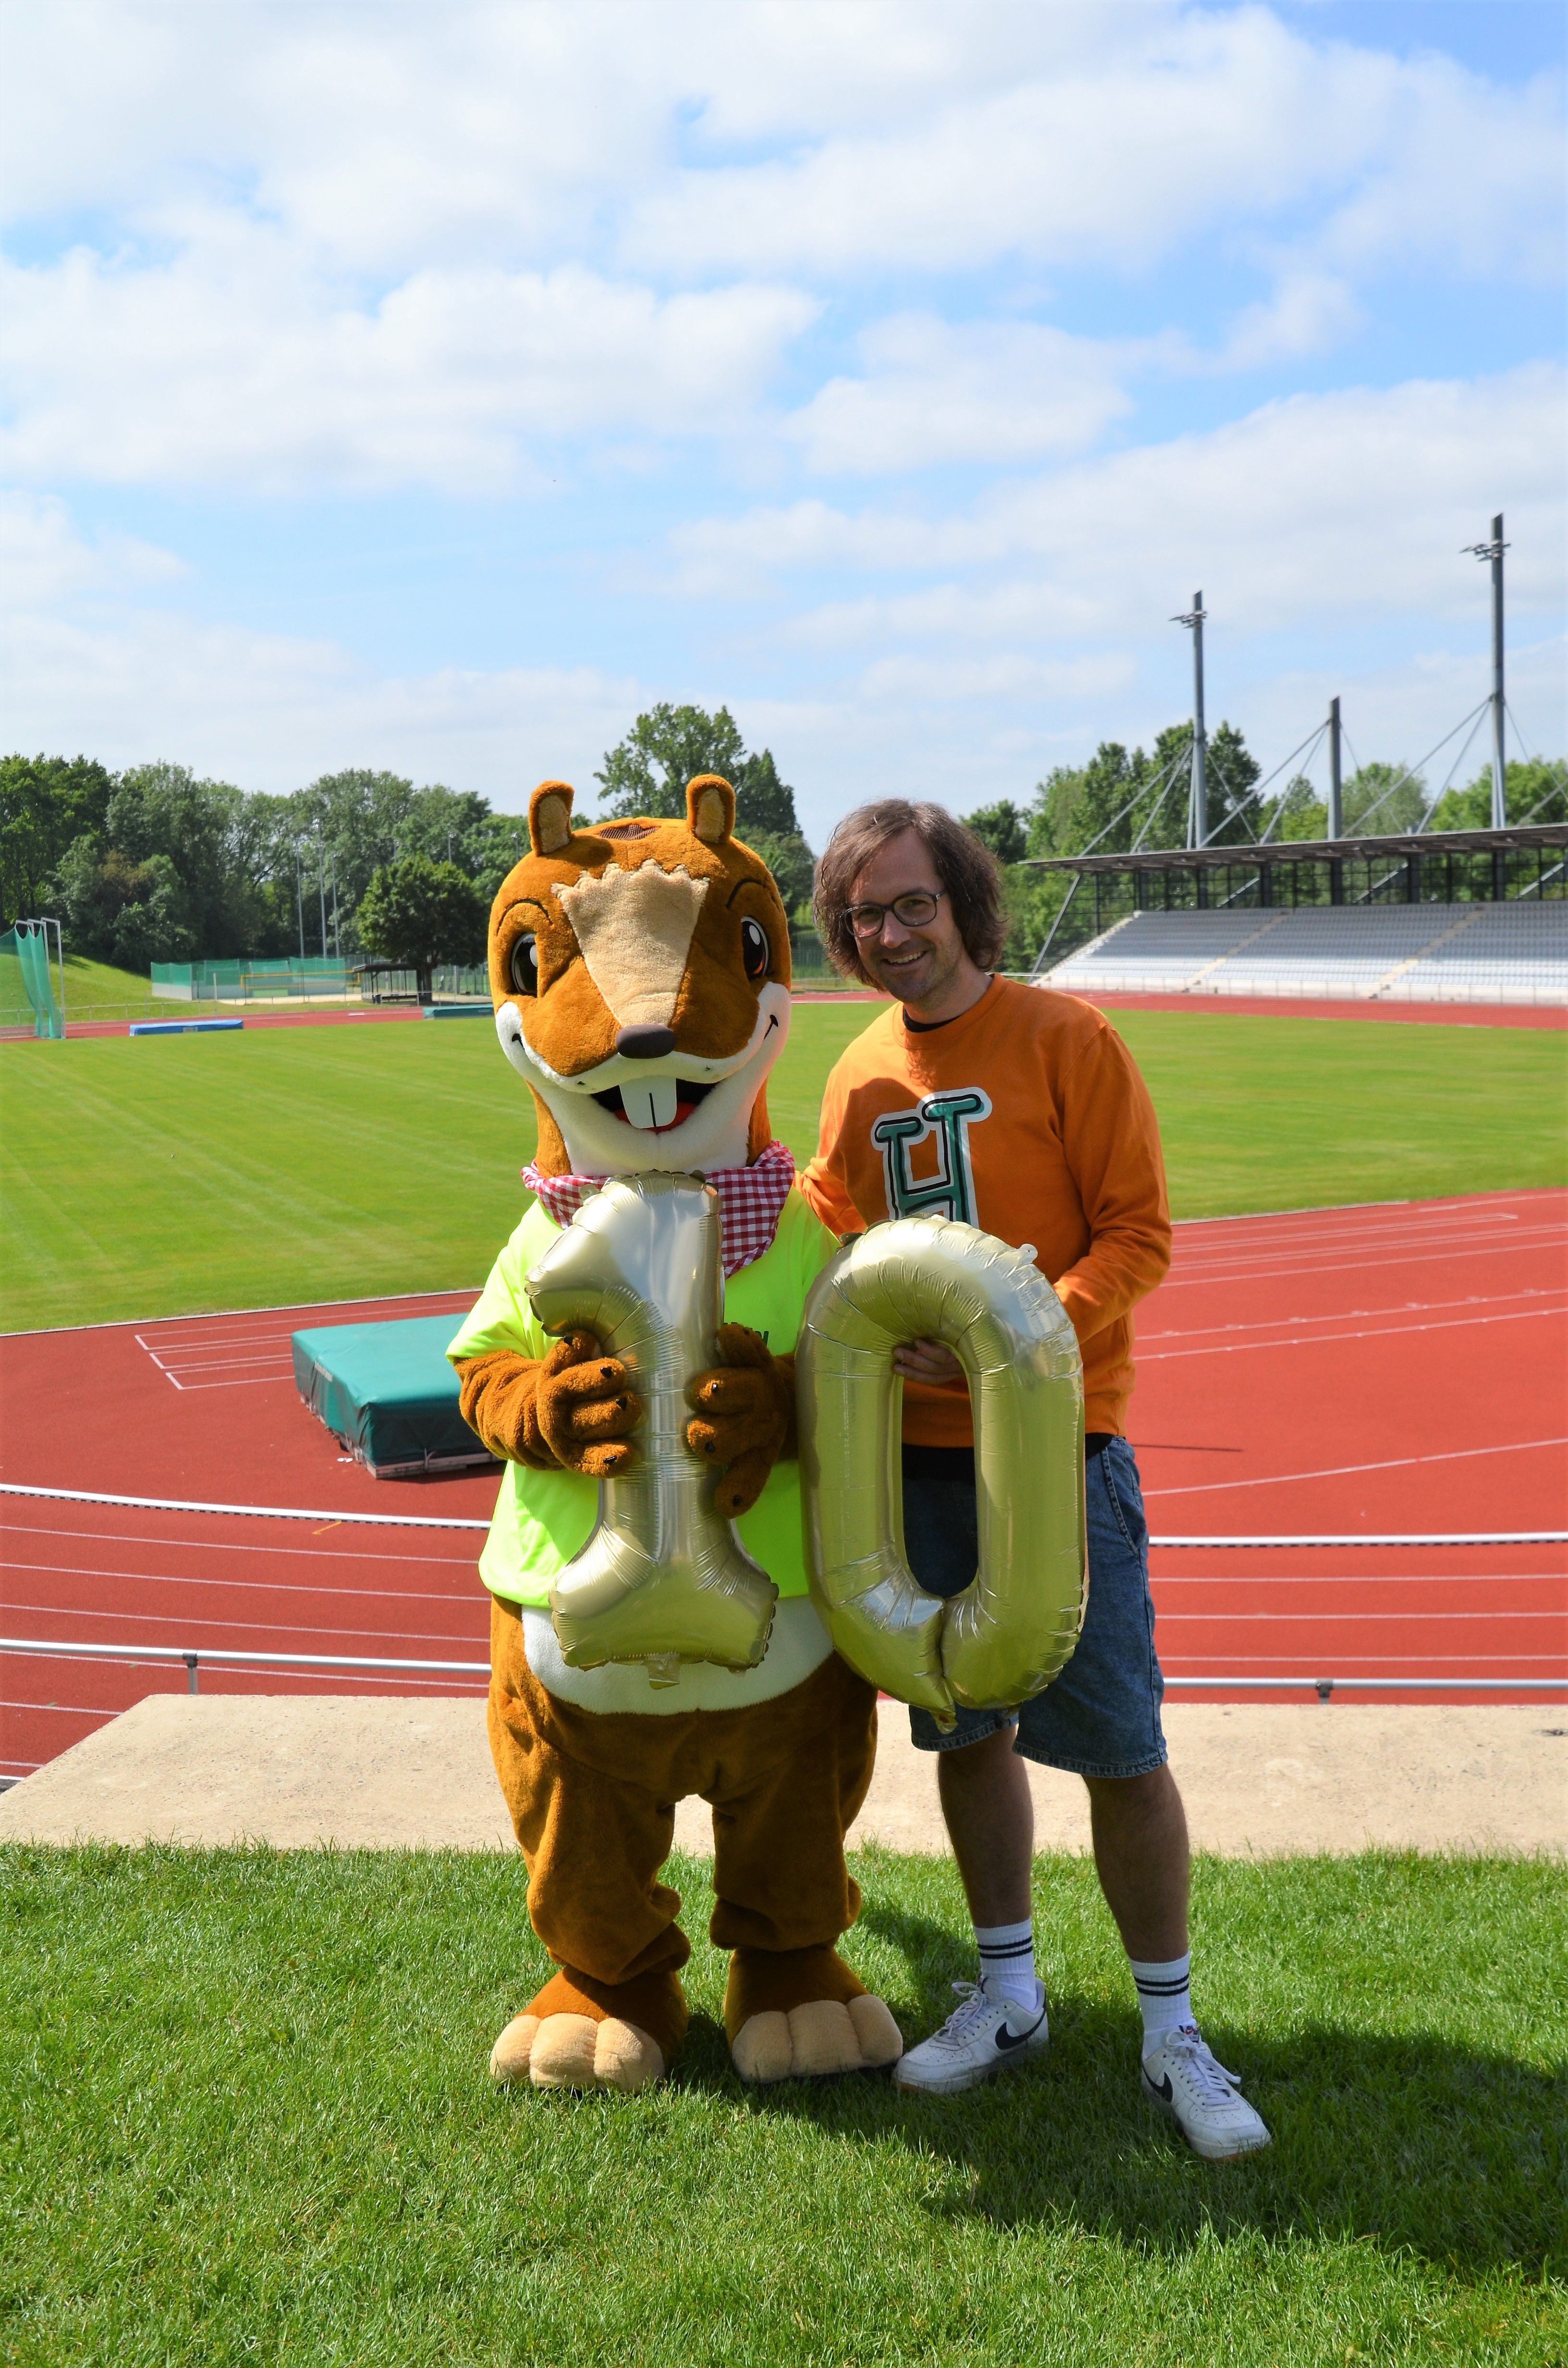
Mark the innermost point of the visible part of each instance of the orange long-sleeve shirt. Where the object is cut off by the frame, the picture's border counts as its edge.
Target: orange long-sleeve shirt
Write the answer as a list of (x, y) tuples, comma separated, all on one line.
[(1025, 1116)]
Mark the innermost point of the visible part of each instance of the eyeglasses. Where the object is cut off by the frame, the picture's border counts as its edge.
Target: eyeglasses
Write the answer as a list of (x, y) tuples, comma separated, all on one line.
[(912, 912)]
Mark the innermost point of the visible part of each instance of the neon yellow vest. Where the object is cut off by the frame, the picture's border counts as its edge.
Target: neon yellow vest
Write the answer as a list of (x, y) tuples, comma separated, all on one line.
[(542, 1518)]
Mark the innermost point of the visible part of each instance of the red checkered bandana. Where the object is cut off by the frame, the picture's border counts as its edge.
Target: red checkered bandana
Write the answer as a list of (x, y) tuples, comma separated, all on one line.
[(750, 1202)]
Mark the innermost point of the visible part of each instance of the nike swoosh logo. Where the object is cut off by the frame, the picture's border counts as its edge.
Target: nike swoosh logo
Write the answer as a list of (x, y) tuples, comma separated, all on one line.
[(1160, 2088), (1006, 2040)]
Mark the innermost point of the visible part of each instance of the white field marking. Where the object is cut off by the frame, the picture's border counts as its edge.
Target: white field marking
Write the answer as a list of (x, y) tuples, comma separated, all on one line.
[(1213, 1277), (1311, 1578), (249, 1627), (1353, 1315), (1478, 1206), (80, 1648), (1387, 1538), (251, 1586), (1349, 1618), (227, 1315), (231, 1546), (260, 1512), (1389, 1463), (1371, 1332), (1344, 1240)]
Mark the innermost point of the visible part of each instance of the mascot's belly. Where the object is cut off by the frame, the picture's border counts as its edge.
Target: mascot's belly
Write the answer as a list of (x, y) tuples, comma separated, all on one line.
[(797, 1645)]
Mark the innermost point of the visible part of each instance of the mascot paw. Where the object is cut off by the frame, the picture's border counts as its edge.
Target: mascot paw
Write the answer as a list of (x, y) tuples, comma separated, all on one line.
[(569, 2037), (802, 2015)]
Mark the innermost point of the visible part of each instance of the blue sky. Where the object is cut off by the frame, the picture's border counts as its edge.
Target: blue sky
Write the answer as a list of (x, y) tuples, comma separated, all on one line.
[(434, 386)]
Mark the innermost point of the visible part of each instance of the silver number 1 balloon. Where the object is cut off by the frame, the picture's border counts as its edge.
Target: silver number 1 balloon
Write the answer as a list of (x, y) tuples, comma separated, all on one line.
[(664, 1578), (1014, 1627)]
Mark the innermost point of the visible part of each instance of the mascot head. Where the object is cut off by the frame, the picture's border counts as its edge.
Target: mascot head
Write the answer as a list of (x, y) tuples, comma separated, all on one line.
[(641, 978)]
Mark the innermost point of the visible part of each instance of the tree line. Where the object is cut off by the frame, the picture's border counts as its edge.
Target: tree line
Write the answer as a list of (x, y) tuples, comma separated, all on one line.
[(157, 864)]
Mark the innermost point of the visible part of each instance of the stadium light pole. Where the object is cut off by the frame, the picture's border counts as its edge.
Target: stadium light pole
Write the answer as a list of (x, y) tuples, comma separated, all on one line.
[(321, 892), (1336, 804), (299, 896), (1197, 801), (1494, 551)]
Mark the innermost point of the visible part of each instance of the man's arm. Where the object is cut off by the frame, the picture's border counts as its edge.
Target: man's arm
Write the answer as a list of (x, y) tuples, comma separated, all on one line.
[(1111, 1142), (821, 1182)]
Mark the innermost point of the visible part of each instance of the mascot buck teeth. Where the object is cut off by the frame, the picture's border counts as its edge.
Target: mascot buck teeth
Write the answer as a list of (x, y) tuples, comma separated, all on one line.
[(640, 977)]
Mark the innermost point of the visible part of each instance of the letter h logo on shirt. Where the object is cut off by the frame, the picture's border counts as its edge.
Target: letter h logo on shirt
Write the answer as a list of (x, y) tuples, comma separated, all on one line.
[(951, 1193)]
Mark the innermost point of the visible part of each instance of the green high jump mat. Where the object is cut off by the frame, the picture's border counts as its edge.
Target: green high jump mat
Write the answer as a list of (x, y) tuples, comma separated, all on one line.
[(388, 1392)]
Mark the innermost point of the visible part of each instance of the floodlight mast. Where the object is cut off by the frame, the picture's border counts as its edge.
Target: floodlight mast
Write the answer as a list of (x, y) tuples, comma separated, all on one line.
[(1494, 551), (1197, 801)]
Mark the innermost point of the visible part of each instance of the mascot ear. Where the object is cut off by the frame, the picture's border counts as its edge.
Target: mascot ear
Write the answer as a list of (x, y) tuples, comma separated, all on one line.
[(550, 817), (711, 809)]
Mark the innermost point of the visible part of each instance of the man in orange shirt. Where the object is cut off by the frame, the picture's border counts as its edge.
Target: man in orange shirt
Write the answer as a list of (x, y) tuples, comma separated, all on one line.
[(1019, 1111)]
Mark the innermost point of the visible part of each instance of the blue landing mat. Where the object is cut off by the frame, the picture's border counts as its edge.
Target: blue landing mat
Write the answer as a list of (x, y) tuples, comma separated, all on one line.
[(388, 1392)]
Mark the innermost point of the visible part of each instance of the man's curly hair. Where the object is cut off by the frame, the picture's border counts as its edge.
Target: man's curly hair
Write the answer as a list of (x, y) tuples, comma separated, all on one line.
[(964, 865)]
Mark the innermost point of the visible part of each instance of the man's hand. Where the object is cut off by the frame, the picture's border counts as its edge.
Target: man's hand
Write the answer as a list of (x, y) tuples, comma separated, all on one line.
[(586, 1407), (927, 1360), (745, 1418)]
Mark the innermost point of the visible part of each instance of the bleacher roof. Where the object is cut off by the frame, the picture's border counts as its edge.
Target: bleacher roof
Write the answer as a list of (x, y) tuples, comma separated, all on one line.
[(1520, 836)]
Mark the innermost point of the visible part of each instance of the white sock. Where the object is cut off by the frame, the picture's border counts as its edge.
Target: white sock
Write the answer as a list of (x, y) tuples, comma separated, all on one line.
[(1164, 1995), (1006, 1960)]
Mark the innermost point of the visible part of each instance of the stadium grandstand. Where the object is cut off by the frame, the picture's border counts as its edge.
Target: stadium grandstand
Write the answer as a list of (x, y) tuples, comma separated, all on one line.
[(1449, 916)]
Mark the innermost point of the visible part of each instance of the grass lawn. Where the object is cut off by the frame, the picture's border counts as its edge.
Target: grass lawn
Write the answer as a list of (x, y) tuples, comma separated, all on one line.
[(249, 2119), (172, 1174)]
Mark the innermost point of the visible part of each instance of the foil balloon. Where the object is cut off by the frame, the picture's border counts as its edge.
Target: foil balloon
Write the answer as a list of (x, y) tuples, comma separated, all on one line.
[(1014, 1627), (663, 1577)]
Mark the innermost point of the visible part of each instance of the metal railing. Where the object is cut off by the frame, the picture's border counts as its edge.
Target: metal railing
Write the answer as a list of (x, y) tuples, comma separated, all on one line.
[(224, 1655)]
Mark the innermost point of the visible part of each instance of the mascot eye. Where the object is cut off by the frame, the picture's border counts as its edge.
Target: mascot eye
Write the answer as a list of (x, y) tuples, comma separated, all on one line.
[(525, 965), (755, 951)]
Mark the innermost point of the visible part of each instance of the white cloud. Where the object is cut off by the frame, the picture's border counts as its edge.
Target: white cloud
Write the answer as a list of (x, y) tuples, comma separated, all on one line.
[(1349, 503), (933, 392), (1187, 123), (230, 365), (43, 560)]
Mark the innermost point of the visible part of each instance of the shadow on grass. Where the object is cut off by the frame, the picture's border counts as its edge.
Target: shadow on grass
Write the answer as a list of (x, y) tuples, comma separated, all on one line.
[(1416, 2144)]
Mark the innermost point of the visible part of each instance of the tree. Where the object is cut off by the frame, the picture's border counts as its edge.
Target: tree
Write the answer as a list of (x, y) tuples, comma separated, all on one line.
[(1534, 791), (1384, 801), (647, 772), (1297, 812), (46, 804), (1002, 828), (416, 913)]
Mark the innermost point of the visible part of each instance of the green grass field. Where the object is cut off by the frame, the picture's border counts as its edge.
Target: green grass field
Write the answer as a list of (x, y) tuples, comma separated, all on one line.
[(172, 1174), (249, 2119)]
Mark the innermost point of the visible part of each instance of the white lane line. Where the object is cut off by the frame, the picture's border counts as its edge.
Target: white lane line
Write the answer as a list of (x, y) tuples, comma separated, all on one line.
[(230, 1546), (1356, 1314), (258, 1513), (1329, 1339), (387, 1637), (1334, 1471), (259, 1585), (1301, 1271)]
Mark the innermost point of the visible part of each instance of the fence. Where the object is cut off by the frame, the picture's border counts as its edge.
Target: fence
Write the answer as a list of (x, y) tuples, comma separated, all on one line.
[(29, 1003)]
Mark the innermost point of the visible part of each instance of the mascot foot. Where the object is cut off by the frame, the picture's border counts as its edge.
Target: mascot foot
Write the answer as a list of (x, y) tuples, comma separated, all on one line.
[(580, 2033), (800, 2014)]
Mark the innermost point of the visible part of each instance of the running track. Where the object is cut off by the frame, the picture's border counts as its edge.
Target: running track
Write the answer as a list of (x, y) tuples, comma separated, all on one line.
[(1400, 1368)]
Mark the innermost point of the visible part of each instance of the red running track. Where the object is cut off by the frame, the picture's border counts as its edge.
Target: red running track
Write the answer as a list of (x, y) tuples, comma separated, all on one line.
[(1353, 1371)]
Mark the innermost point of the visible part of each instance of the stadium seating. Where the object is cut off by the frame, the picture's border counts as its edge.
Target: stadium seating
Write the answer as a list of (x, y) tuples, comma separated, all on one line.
[(1515, 953)]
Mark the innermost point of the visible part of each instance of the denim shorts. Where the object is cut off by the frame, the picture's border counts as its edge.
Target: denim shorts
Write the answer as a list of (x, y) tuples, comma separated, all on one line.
[(1101, 1716)]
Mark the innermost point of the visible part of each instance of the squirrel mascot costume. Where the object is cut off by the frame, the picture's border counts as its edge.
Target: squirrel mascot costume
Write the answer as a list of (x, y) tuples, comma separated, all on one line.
[(640, 977)]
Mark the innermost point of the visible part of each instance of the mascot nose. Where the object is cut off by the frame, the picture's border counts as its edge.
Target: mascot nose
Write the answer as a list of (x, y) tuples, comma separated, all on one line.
[(644, 1044)]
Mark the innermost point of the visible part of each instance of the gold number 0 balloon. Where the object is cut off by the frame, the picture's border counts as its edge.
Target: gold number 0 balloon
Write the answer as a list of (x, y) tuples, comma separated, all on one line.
[(663, 1577), (1014, 1627)]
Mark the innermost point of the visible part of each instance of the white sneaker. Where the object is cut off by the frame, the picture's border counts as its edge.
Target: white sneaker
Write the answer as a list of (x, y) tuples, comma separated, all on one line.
[(1182, 2078), (985, 2034)]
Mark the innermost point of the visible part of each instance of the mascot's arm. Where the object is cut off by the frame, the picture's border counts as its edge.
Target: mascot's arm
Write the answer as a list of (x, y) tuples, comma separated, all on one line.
[(572, 1408), (745, 1417)]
